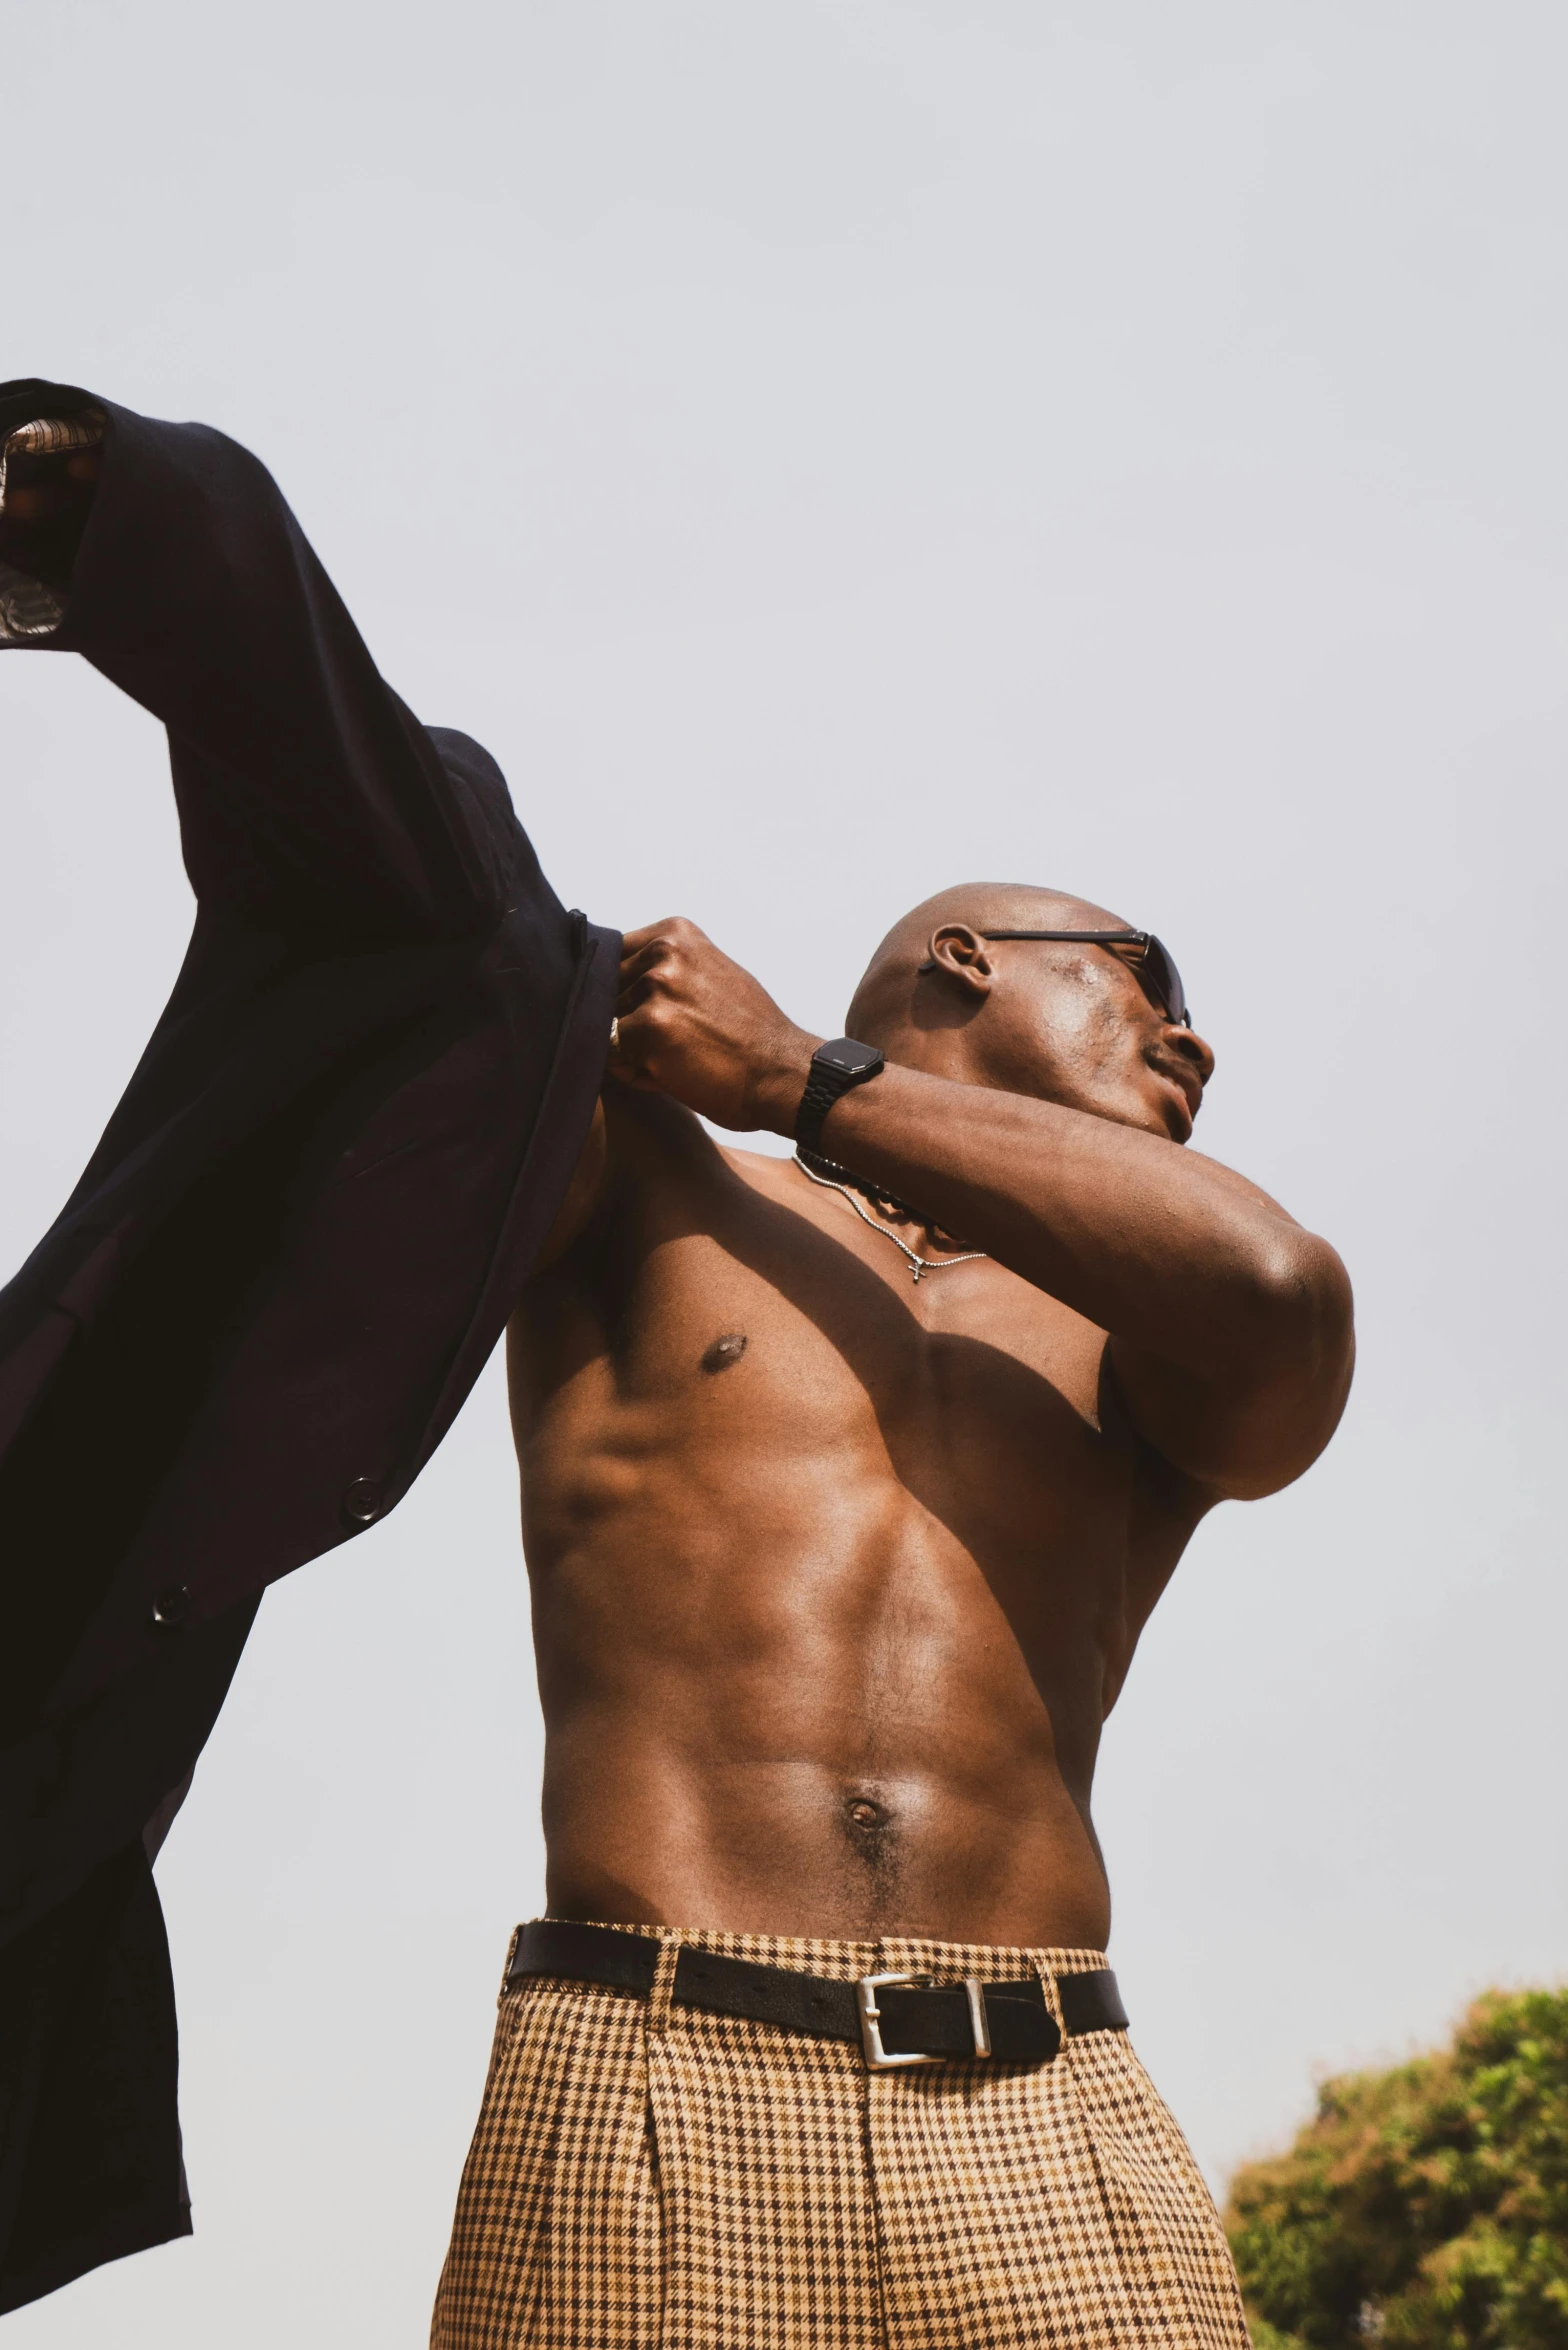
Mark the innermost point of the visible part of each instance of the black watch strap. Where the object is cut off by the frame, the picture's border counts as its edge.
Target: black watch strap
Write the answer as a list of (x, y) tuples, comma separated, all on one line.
[(835, 1068)]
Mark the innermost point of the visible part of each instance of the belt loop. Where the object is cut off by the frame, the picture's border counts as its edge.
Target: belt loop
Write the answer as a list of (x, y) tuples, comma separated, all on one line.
[(656, 2020), (506, 1971), (1052, 1995), (978, 2023)]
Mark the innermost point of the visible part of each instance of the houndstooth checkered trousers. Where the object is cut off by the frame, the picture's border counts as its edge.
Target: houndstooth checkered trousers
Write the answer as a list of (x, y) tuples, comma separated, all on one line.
[(653, 2178)]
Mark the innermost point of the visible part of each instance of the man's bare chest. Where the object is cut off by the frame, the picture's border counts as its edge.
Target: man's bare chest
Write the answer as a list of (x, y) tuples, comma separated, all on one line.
[(741, 1317), (733, 1367)]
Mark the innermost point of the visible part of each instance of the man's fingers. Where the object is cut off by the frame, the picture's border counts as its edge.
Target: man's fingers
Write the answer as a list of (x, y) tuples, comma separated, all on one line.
[(624, 1062), (645, 961), (634, 1080), (50, 489), (633, 994), (673, 930), (642, 948), (643, 967), (661, 943), (35, 502)]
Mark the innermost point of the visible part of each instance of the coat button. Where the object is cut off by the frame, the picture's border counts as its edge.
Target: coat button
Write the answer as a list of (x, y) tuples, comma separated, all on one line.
[(362, 1502), (170, 1606)]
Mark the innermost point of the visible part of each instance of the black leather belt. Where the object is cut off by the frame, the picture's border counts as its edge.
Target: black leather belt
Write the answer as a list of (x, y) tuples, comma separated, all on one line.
[(897, 2019)]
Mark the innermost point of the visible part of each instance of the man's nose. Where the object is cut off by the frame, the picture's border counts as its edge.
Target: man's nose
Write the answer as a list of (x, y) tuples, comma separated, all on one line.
[(1196, 1049)]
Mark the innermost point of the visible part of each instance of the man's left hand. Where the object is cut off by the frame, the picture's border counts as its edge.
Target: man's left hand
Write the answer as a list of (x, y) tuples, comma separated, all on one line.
[(47, 502), (694, 1025)]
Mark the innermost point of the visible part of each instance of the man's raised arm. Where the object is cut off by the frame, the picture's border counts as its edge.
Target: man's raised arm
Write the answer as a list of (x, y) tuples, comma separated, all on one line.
[(286, 1262), (310, 799)]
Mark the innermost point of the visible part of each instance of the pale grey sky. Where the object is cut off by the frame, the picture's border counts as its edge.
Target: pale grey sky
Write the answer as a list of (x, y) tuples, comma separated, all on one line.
[(827, 451)]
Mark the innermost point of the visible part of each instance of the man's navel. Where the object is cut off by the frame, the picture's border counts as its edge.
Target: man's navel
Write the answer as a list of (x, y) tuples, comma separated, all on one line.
[(869, 1828)]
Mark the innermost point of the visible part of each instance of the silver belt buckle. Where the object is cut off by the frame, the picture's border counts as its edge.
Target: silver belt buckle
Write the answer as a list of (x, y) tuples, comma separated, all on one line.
[(877, 2057)]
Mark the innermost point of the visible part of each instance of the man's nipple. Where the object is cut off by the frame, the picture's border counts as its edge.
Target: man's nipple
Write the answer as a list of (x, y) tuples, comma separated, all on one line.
[(724, 1351)]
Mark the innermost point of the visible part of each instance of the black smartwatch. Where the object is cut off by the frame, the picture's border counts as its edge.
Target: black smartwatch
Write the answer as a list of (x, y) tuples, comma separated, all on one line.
[(835, 1068)]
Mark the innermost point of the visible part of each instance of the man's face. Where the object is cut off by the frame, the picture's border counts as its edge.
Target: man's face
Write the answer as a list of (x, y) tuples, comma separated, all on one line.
[(1073, 1024)]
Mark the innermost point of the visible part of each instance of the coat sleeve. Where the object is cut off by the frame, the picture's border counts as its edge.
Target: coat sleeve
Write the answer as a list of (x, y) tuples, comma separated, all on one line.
[(312, 803), (284, 1266)]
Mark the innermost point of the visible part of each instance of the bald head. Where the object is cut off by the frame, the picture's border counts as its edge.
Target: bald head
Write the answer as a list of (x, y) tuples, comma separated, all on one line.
[(1069, 1020), (883, 1006)]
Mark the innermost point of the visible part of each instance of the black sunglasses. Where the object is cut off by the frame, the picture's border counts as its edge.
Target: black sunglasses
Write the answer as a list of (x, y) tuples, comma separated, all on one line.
[(1154, 969)]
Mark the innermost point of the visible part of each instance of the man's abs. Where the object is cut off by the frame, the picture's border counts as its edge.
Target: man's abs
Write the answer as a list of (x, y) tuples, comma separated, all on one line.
[(832, 1582)]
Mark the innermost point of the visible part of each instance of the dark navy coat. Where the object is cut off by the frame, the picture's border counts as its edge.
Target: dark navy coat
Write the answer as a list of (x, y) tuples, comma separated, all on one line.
[(278, 1278)]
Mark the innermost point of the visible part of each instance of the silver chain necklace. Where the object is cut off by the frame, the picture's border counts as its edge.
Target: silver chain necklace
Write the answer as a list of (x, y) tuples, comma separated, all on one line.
[(918, 1263)]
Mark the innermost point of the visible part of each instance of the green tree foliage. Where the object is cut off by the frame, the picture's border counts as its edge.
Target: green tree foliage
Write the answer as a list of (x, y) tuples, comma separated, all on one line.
[(1424, 2208)]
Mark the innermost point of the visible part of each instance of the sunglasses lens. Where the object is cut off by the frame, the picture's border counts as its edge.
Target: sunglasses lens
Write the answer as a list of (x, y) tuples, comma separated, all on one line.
[(1163, 981)]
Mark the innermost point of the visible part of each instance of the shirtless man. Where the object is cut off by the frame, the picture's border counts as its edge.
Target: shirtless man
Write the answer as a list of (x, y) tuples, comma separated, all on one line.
[(841, 1537), (843, 1516)]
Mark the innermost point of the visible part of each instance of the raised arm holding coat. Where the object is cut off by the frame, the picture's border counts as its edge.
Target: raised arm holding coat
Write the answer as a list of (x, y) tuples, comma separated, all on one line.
[(283, 1269)]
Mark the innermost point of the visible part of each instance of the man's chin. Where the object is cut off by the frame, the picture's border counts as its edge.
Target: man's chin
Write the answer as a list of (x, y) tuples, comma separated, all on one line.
[(1162, 1108), (1166, 1119), (1155, 1106), (1177, 1121)]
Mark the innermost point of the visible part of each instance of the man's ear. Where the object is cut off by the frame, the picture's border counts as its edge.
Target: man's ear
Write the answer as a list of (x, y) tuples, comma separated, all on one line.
[(960, 954)]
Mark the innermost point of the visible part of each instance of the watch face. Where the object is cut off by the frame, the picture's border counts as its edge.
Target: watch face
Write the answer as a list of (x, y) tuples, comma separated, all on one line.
[(844, 1053)]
